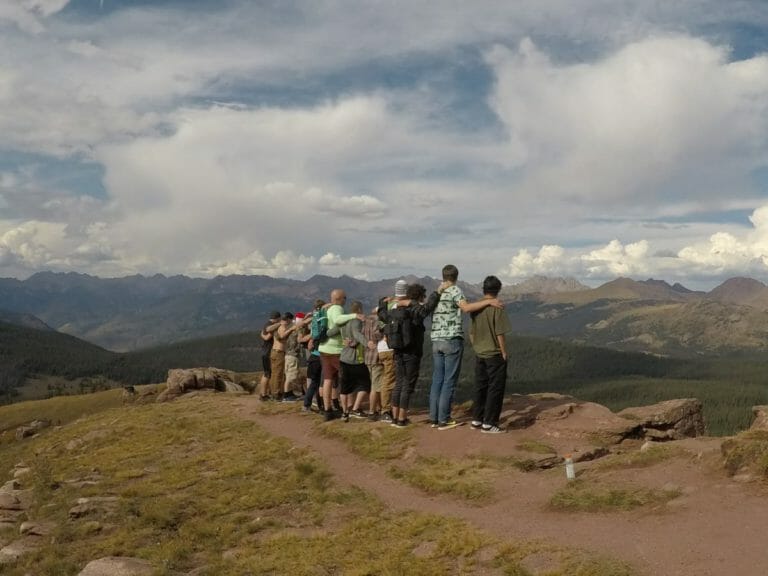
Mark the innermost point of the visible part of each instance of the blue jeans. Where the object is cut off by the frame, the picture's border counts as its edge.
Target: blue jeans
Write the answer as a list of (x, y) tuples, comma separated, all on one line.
[(446, 366)]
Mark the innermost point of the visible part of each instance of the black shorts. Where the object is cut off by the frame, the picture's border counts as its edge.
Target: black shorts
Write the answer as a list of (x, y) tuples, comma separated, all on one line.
[(354, 378), (266, 365)]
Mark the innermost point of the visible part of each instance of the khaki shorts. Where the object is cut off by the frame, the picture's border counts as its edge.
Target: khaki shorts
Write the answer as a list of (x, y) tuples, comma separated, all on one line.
[(291, 371), (377, 376)]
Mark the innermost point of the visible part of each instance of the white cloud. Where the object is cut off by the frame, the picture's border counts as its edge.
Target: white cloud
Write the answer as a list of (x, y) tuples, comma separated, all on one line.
[(662, 115), (608, 128)]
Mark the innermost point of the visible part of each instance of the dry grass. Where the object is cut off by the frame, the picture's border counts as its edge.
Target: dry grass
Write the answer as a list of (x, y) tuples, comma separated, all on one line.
[(591, 496), (747, 451), (199, 489), (372, 441), (637, 459), (471, 478)]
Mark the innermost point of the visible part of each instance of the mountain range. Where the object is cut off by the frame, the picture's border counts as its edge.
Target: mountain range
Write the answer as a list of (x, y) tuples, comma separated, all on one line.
[(135, 312)]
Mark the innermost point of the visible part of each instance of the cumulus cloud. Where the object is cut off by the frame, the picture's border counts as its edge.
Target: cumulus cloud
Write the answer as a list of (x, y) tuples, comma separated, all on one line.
[(720, 255), (241, 140), (662, 116)]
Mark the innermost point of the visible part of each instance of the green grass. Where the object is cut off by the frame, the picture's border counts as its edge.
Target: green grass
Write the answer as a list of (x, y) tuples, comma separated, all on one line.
[(374, 442), (588, 496), (200, 489), (535, 447), (59, 410), (469, 478), (637, 459), (748, 450)]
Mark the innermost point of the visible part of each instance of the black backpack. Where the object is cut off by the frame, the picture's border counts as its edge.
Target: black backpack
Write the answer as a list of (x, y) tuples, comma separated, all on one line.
[(398, 328)]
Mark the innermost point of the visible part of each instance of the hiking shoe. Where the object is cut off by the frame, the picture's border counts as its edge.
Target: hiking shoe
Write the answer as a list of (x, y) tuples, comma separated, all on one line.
[(358, 414), (476, 424), (290, 397), (329, 415), (493, 430), (447, 425), (386, 417), (400, 423), (374, 417)]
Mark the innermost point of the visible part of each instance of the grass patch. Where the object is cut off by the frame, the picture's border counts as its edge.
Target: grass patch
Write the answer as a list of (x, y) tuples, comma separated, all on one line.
[(637, 459), (470, 478), (531, 558), (199, 489), (584, 496), (535, 447), (748, 450), (59, 410), (371, 441)]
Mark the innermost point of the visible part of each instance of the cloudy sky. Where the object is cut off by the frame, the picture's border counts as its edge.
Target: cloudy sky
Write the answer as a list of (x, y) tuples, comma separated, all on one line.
[(586, 138)]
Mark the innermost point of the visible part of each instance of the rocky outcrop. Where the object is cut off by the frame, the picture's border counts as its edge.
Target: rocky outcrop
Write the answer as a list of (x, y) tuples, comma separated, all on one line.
[(761, 418), (181, 380), (669, 420), (118, 566), (31, 429)]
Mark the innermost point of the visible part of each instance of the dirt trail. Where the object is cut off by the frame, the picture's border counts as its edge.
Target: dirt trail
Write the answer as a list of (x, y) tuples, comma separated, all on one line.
[(714, 529)]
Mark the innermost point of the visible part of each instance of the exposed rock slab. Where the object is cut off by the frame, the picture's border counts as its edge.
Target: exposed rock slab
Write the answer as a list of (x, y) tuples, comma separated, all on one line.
[(15, 550), (31, 429), (181, 380), (761, 418), (669, 420), (117, 566)]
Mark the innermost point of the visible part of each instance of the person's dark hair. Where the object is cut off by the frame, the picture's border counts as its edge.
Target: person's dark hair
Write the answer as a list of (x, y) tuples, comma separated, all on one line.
[(491, 286), (415, 292), (319, 303), (450, 273), (288, 316), (356, 307)]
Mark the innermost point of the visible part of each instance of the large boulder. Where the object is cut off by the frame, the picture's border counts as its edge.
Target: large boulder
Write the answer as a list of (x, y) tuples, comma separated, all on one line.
[(669, 420), (761, 418), (181, 380), (31, 429)]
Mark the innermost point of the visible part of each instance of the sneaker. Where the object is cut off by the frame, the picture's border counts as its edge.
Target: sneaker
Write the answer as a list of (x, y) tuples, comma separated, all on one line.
[(433, 423), (374, 417), (290, 397), (493, 430), (306, 409), (476, 424), (386, 417), (329, 415), (265, 398), (447, 425), (358, 414), (345, 416), (400, 423)]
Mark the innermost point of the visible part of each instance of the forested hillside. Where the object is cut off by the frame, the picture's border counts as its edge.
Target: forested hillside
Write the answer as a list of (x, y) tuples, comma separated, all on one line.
[(727, 386)]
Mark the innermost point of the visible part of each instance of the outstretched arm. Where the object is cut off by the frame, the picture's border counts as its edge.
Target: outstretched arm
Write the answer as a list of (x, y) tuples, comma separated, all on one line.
[(468, 307)]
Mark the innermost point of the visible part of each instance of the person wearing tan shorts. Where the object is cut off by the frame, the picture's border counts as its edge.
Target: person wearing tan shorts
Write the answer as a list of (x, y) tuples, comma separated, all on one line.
[(373, 335)]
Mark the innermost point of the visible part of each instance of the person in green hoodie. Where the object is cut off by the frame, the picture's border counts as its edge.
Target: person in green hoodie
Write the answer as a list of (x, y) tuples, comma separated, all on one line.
[(330, 350)]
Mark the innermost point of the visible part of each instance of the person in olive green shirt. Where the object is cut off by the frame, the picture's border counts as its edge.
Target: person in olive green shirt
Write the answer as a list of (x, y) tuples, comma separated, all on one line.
[(487, 331)]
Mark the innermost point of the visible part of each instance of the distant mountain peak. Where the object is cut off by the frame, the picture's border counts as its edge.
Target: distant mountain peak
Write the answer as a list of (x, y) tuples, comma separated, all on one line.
[(539, 284)]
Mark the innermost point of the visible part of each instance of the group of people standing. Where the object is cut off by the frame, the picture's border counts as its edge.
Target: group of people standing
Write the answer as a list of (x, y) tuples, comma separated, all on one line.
[(358, 361)]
